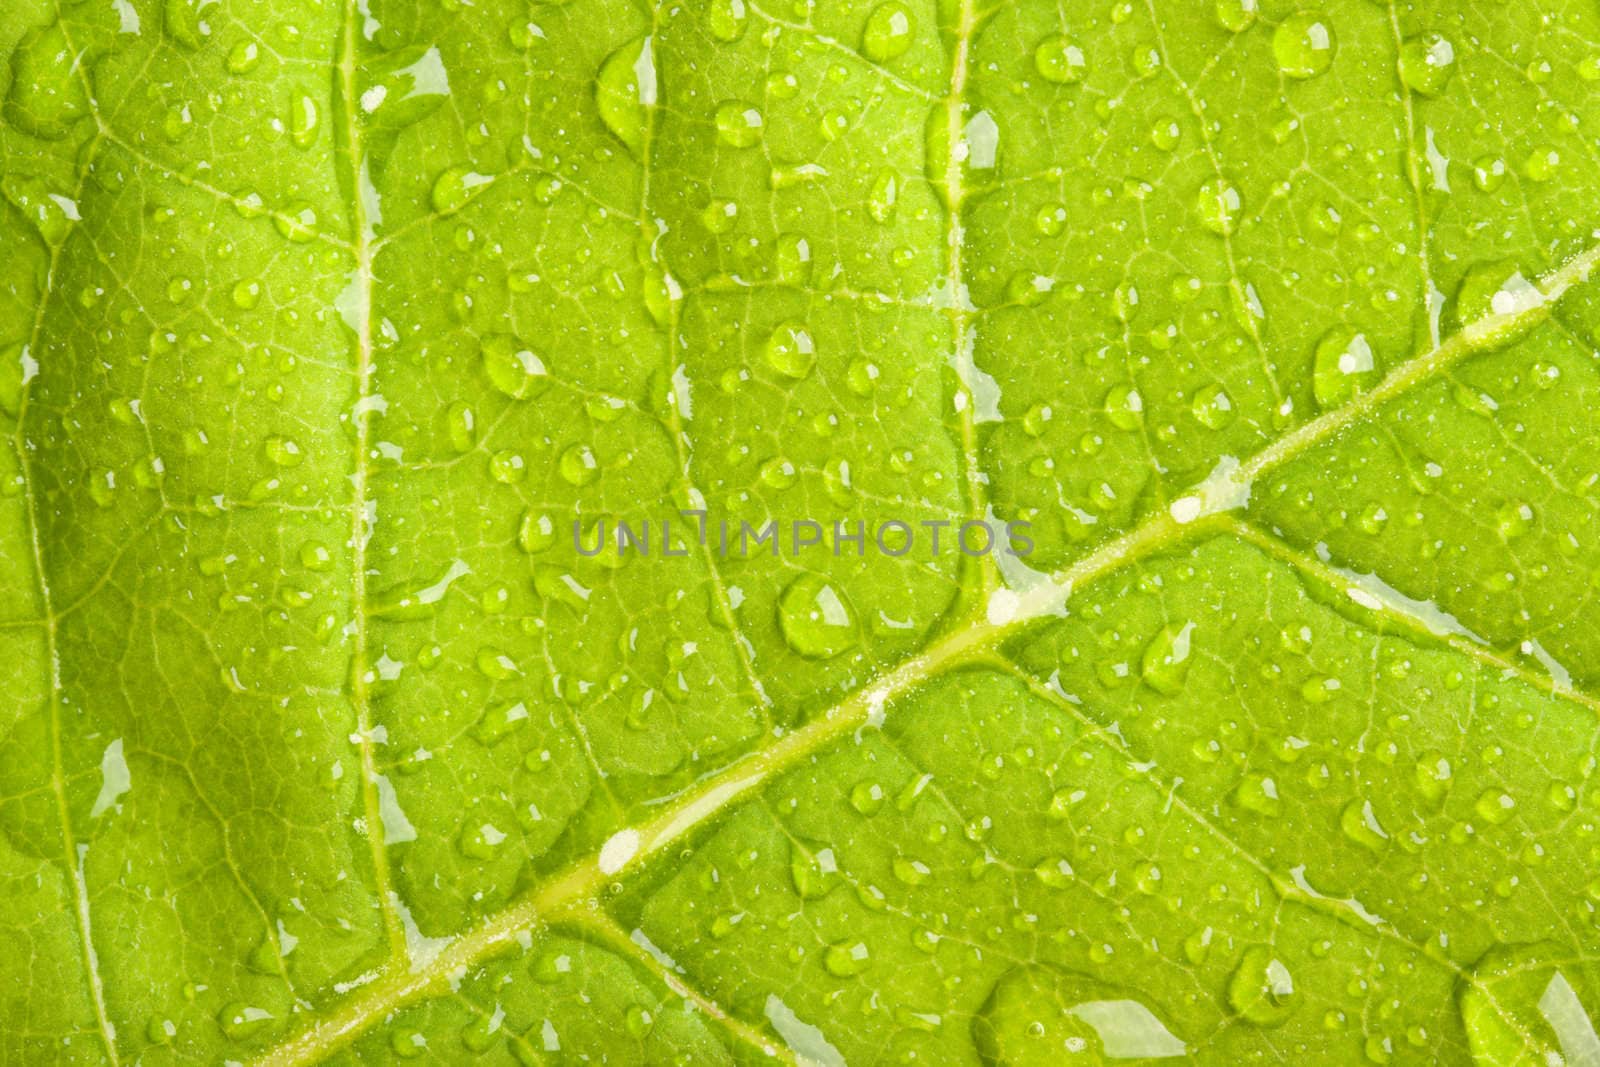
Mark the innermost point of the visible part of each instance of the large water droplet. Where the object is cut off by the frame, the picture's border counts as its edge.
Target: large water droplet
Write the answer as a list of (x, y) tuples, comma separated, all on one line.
[(1303, 45), (241, 1021), (1165, 665), (626, 90), (1530, 1004), (1217, 206), (1342, 367), (888, 32), (185, 22), (1059, 60), (789, 350), (1426, 64), (1261, 989), (52, 214), (1498, 304), (455, 186), (815, 618), (512, 366), (403, 87), (739, 124), (1037, 1014), (1235, 15), (47, 92)]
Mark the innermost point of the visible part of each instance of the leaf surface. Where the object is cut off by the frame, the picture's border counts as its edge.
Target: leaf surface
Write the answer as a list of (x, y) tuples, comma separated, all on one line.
[(332, 332)]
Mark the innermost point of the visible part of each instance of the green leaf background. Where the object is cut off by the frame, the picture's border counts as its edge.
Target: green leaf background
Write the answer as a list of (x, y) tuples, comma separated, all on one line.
[(321, 321)]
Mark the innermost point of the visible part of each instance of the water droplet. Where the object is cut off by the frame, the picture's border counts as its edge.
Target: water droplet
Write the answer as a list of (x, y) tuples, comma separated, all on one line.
[(1217, 206), (815, 618), (867, 798), (1261, 989), (789, 350), (1124, 407), (1359, 823), (283, 452), (408, 1044), (460, 426), (626, 90), (1495, 806), (884, 194), (51, 213), (297, 222), (888, 32), (738, 124), (47, 94), (1235, 16), (1530, 1004), (1303, 45), (1038, 1014), (512, 366), (495, 664), (1050, 220), (403, 87), (1212, 407), (1165, 664), (241, 1021), (246, 294), (1513, 519), (726, 19), (1059, 60), (305, 120), (1498, 303), (455, 187), (846, 958), (1258, 793), (185, 22), (244, 57), (1342, 367), (578, 465), (1426, 63), (536, 532)]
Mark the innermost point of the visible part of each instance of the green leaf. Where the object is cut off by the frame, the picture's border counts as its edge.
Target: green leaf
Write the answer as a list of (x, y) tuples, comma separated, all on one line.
[(337, 724)]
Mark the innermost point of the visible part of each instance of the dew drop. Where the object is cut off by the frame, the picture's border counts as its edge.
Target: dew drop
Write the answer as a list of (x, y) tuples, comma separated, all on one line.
[(738, 124), (1037, 1014), (1217, 206), (1529, 1003), (1261, 988), (1212, 407), (625, 91), (815, 618), (455, 187), (790, 351), (1426, 64), (512, 367), (241, 1021), (1059, 60), (1342, 367), (726, 19), (47, 94), (847, 958), (1124, 407), (888, 32), (403, 87), (1303, 45), (1235, 16), (1165, 664), (578, 465)]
